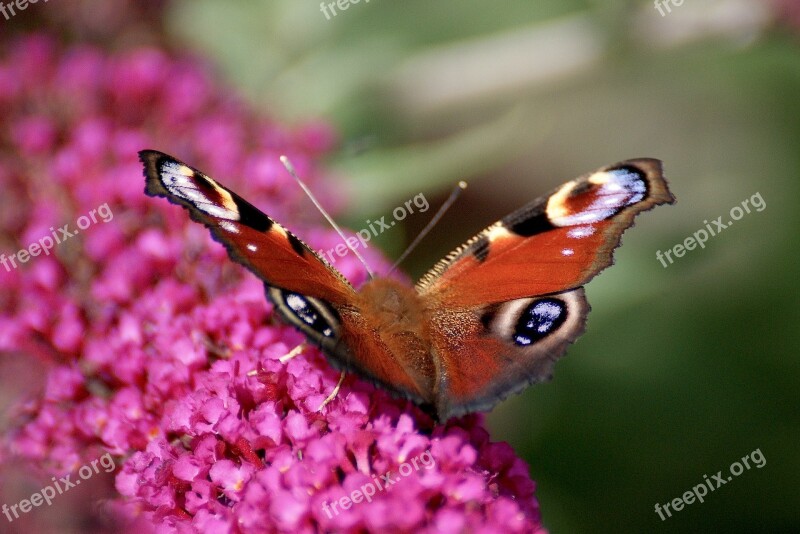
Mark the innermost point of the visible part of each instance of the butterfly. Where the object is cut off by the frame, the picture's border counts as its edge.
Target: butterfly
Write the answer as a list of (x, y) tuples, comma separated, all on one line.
[(486, 321)]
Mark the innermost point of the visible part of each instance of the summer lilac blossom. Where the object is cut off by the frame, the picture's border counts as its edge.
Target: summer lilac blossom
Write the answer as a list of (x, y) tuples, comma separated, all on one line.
[(156, 348)]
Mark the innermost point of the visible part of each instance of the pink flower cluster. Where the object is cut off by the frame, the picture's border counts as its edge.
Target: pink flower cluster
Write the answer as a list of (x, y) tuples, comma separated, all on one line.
[(158, 349)]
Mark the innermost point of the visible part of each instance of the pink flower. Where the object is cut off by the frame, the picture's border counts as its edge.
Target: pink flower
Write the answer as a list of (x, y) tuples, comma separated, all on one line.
[(154, 347)]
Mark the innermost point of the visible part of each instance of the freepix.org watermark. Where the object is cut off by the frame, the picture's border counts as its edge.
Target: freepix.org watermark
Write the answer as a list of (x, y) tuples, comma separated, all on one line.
[(12, 8), (382, 483), (713, 228), (56, 237), (330, 7), (58, 487), (665, 6), (699, 492), (375, 228)]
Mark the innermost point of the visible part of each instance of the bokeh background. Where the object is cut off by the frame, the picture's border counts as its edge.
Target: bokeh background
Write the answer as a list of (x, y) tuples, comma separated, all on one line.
[(684, 369)]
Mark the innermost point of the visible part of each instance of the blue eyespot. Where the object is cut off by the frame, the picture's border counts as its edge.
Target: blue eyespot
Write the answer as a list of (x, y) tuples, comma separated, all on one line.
[(540, 319), (307, 313), (632, 181)]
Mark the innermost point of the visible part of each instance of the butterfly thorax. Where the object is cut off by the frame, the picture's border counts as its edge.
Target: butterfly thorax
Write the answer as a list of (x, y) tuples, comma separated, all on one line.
[(393, 308), (399, 317)]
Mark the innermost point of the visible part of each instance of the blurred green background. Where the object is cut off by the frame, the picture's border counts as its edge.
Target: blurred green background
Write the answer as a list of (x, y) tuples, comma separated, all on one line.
[(683, 370)]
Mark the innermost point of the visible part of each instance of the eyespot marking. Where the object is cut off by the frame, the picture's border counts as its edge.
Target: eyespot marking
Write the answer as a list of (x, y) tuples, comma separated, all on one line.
[(598, 197), (201, 191), (314, 317), (538, 320), (229, 227), (306, 312), (579, 232)]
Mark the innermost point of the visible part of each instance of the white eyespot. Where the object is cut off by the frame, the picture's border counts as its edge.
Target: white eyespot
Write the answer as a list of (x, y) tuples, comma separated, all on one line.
[(309, 312), (614, 190), (180, 181), (251, 247), (580, 232), (567, 252), (545, 314), (228, 226)]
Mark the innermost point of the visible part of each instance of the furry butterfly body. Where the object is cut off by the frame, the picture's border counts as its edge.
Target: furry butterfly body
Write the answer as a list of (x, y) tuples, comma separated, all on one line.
[(485, 322)]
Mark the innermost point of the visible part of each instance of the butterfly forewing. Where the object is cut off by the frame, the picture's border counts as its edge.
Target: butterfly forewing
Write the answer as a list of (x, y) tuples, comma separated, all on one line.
[(252, 239), (555, 243)]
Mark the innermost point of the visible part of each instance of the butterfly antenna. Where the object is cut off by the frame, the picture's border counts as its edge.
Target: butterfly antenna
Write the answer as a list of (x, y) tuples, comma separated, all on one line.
[(290, 168), (457, 190)]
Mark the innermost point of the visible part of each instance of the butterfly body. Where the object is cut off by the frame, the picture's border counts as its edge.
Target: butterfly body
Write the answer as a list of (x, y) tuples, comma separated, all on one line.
[(488, 320)]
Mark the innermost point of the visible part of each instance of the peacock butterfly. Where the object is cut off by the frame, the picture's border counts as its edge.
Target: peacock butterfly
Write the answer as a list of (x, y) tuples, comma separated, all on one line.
[(489, 319)]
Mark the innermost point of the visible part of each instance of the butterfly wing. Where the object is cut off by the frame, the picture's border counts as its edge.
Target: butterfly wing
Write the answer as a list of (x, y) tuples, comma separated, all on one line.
[(487, 353), (306, 291), (508, 302), (252, 239), (555, 243)]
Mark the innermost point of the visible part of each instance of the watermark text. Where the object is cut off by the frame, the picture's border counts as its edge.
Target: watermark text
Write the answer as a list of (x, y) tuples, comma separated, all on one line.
[(56, 237), (20, 5), (664, 7), (699, 492), (329, 8), (58, 487), (699, 238), (375, 228), (382, 483)]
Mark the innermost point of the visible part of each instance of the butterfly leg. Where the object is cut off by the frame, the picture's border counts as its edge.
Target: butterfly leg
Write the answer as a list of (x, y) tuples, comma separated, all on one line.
[(333, 393), (286, 357), (294, 352)]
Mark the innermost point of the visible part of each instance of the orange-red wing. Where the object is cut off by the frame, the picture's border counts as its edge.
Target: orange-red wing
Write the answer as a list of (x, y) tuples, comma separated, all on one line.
[(555, 243), (486, 353), (252, 239)]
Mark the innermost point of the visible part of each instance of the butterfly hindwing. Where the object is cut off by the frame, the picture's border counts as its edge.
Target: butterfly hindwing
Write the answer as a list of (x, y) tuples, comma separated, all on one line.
[(349, 338), (489, 352)]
